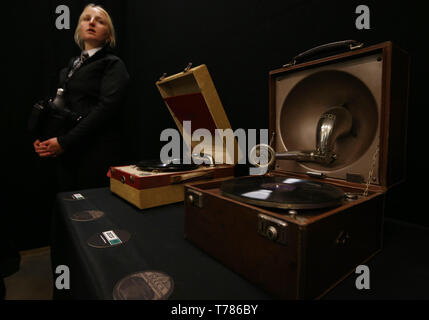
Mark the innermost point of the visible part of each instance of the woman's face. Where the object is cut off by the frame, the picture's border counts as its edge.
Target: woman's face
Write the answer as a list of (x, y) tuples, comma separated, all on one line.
[(94, 30)]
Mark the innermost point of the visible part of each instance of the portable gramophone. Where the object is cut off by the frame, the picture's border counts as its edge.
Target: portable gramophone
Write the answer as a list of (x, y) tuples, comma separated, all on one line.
[(189, 96), (338, 133)]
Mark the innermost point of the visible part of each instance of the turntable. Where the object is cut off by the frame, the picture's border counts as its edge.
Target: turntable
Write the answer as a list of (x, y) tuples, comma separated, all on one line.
[(338, 143), (189, 96), (158, 166), (283, 193)]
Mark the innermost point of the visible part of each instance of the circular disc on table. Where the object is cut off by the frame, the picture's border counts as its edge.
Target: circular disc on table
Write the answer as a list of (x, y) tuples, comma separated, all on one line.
[(99, 240), (145, 285), (283, 192), (87, 215)]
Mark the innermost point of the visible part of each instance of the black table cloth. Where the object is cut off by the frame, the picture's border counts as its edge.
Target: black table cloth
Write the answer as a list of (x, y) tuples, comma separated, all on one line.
[(157, 243)]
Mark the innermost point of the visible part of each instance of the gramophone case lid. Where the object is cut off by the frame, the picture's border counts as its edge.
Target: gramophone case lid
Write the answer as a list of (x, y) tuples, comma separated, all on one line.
[(192, 96), (372, 84)]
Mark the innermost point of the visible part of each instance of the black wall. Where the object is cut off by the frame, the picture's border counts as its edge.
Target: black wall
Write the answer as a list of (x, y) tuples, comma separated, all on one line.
[(240, 42)]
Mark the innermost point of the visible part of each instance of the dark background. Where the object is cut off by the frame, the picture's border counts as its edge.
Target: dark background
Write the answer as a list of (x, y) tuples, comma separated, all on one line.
[(240, 41)]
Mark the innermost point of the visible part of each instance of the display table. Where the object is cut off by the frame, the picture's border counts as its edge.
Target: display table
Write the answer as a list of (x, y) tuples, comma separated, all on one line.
[(156, 243)]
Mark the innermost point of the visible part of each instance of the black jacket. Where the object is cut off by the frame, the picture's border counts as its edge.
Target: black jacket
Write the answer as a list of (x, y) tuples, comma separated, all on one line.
[(96, 90)]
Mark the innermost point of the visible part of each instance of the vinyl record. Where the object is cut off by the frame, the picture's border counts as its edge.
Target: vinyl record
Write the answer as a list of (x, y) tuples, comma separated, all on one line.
[(156, 165), (145, 285), (283, 192), (87, 215)]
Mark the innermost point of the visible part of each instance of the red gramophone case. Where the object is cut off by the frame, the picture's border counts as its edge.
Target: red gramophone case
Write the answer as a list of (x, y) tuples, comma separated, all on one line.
[(302, 254), (189, 96)]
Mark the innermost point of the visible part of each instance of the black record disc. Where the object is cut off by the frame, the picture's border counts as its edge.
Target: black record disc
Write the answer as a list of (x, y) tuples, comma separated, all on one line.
[(145, 285), (283, 192), (156, 165), (87, 215)]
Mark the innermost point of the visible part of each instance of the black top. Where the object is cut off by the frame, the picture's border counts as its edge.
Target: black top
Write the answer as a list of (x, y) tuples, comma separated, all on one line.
[(95, 90)]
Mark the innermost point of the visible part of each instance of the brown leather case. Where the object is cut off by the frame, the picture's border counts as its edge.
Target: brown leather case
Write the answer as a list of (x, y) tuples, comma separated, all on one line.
[(304, 255)]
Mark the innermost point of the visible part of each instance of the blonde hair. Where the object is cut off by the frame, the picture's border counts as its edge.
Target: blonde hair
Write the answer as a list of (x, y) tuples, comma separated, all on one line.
[(111, 39)]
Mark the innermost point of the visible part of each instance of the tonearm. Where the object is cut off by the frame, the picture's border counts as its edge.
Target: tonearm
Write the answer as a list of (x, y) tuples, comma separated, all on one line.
[(332, 124)]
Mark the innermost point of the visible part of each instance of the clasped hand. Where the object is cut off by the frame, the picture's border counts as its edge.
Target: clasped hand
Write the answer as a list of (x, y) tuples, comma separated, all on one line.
[(48, 148)]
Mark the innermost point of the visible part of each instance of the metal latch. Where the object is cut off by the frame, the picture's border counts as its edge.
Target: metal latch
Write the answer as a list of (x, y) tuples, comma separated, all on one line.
[(272, 228), (195, 198)]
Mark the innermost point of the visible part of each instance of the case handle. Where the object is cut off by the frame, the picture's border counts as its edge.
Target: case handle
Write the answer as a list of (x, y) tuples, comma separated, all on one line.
[(332, 46)]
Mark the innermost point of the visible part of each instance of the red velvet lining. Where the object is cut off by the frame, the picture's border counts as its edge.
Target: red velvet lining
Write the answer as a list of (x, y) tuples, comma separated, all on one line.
[(192, 107)]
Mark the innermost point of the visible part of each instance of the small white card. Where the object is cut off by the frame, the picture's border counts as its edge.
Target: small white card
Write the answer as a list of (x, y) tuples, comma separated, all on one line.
[(112, 237), (78, 196)]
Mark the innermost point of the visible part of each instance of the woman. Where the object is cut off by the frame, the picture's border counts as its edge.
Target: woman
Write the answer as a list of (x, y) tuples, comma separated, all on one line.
[(94, 87)]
